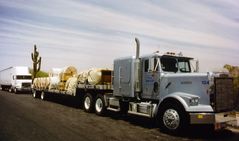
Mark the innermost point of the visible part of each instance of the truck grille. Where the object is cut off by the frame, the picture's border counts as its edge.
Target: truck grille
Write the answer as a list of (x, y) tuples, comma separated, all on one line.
[(26, 85), (224, 99)]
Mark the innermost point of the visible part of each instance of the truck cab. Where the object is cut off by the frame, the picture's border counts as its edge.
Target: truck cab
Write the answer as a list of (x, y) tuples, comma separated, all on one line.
[(169, 88), (155, 67), (20, 82), (15, 79)]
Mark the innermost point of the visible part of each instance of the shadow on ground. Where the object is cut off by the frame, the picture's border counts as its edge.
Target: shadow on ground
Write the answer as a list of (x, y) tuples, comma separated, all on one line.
[(193, 132)]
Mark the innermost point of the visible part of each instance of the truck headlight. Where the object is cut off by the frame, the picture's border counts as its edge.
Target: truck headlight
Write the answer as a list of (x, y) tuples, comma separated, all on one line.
[(193, 101)]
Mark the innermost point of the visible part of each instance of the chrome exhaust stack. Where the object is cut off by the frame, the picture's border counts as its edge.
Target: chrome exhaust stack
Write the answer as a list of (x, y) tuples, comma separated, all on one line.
[(137, 74)]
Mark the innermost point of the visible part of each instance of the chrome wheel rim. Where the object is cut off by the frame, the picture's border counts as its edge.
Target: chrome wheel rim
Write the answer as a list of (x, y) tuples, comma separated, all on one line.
[(42, 95), (34, 94), (87, 103), (171, 119), (99, 105)]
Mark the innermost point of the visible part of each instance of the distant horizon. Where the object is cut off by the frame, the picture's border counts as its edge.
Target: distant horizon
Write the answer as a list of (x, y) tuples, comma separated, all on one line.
[(91, 34)]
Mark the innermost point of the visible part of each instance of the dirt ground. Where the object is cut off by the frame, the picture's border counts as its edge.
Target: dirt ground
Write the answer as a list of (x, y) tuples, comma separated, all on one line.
[(23, 118)]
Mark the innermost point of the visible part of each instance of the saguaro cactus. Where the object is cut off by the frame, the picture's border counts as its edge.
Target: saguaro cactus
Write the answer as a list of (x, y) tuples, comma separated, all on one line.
[(36, 62)]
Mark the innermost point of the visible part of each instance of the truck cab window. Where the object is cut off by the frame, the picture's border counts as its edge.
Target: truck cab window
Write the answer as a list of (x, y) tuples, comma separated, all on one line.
[(24, 77), (184, 65), (169, 64)]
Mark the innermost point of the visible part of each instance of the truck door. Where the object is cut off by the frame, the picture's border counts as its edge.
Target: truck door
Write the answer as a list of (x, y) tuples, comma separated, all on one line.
[(150, 77)]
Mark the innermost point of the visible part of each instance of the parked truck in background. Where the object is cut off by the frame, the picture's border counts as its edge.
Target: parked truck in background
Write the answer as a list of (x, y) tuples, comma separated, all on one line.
[(160, 86), (15, 79)]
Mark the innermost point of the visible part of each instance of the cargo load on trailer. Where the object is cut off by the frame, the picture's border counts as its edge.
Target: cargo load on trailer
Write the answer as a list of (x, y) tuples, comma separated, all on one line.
[(66, 81)]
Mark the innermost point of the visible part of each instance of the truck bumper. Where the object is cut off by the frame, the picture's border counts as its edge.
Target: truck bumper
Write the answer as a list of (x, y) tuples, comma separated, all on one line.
[(24, 89), (220, 120)]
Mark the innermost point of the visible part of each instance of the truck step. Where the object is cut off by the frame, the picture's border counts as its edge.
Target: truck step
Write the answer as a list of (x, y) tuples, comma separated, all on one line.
[(113, 109), (140, 114)]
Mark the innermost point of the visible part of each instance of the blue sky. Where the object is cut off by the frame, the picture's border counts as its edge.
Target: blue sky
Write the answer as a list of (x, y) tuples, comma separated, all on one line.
[(92, 33)]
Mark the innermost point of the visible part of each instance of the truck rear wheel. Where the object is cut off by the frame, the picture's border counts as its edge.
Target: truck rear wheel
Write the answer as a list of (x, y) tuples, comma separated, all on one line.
[(173, 118), (88, 103), (100, 105)]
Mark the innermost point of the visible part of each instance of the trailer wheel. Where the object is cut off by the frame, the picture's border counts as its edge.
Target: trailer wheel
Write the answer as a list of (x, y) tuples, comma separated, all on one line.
[(88, 103), (35, 94), (172, 117), (43, 95), (100, 105)]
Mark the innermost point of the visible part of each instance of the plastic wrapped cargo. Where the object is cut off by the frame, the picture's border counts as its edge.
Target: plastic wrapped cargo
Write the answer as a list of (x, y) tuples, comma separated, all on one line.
[(61, 86), (46, 82), (53, 82), (36, 83), (71, 85), (95, 76), (41, 83), (82, 77), (67, 72), (99, 76)]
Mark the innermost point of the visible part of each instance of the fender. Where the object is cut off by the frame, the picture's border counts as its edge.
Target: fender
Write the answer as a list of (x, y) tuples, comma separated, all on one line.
[(184, 99)]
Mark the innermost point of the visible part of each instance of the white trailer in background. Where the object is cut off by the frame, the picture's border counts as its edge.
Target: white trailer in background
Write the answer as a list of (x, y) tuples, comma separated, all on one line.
[(15, 79)]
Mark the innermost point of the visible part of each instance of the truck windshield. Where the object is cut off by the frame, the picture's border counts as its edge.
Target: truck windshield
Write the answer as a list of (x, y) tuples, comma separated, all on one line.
[(24, 77), (173, 64)]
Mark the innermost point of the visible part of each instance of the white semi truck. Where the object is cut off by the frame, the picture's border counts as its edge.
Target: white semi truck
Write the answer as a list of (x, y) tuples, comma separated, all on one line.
[(160, 86), (15, 79)]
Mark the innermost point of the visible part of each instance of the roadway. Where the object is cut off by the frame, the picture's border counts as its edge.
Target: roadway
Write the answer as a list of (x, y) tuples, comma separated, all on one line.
[(24, 118)]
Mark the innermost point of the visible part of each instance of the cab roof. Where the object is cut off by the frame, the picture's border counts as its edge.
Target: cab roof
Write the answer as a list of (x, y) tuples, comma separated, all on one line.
[(169, 55)]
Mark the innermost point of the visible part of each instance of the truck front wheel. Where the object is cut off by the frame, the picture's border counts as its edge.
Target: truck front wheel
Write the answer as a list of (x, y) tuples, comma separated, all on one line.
[(15, 90), (173, 118), (88, 103), (100, 105), (10, 90)]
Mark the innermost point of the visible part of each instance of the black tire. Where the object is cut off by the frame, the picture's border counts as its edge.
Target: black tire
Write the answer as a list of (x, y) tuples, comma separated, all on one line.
[(100, 108), (43, 95), (3, 88), (10, 90), (35, 94), (88, 103), (15, 90), (172, 117)]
